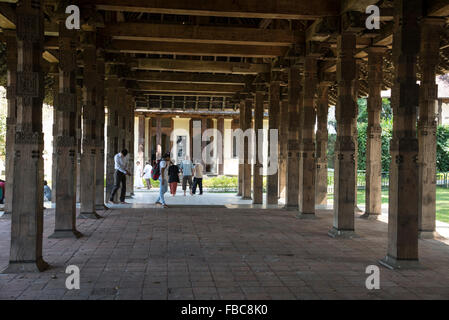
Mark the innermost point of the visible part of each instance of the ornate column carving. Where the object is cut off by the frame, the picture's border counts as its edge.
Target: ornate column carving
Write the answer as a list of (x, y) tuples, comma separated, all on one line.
[(307, 147), (11, 64), (246, 121), (273, 124), (112, 130), (220, 128), (283, 142), (100, 141), (321, 144), (346, 110), (27, 199), (427, 125), (373, 200), (294, 101), (90, 131), (65, 136), (258, 129), (404, 180)]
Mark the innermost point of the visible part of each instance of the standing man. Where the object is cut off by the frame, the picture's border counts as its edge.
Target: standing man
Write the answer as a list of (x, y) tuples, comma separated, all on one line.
[(163, 179), (121, 171), (198, 177), (186, 169)]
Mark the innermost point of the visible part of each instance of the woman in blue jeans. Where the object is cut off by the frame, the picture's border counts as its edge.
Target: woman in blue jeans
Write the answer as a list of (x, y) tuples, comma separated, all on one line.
[(163, 179)]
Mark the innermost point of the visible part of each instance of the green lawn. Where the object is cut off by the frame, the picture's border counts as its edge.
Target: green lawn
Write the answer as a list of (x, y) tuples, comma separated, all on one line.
[(442, 202)]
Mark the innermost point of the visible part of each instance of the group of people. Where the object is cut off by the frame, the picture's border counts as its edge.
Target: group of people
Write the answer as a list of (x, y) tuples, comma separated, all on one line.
[(168, 175)]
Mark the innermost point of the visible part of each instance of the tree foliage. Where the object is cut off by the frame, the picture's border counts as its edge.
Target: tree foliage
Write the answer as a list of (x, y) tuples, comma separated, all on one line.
[(443, 149)]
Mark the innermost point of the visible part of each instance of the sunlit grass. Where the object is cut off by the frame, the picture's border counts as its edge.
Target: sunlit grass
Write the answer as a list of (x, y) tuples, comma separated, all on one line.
[(442, 202)]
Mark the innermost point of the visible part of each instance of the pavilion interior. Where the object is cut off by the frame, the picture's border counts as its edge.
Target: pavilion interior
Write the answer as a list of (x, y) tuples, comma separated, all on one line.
[(136, 70)]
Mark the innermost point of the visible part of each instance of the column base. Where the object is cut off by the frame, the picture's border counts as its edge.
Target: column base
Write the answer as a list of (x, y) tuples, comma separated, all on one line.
[(342, 234), (393, 263), (370, 216), (306, 216), (247, 198), (239, 194), (101, 207), (26, 266), (66, 234), (291, 208), (89, 215), (257, 202), (428, 235)]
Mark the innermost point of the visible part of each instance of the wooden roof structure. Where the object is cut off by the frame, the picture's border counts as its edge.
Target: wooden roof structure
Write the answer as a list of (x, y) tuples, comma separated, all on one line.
[(197, 54)]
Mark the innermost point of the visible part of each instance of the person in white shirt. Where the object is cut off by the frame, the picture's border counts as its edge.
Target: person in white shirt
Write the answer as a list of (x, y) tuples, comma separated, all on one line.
[(121, 171), (198, 177), (147, 174)]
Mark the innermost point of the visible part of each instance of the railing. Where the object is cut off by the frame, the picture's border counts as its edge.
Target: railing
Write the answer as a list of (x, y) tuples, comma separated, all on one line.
[(442, 180)]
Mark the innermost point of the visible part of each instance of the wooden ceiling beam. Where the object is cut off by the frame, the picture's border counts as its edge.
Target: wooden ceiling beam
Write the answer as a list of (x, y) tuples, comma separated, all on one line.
[(178, 77), (195, 49), (199, 34), (201, 66), (286, 9), (188, 87)]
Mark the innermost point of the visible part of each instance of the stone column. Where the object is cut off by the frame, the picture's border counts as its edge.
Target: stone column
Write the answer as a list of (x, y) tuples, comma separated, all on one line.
[(11, 64), (427, 126), (321, 145), (100, 138), (344, 179), (373, 200), (89, 145), (404, 180), (65, 137), (273, 124), (294, 100), (220, 128), (307, 167), (79, 107), (54, 72), (258, 148), (112, 131), (247, 121), (158, 138), (130, 144), (283, 142), (141, 140), (27, 201), (239, 155), (203, 143)]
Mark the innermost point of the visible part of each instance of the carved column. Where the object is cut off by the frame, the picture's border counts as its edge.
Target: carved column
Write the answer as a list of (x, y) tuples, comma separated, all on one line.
[(130, 144), (283, 141), (258, 148), (141, 141), (54, 72), (321, 144), (100, 141), (373, 200), (112, 130), (89, 140), (158, 138), (11, 64), (273, 124), (65, 136), (239, 155), (307, 148), (27, 200), (246, 121), (344, 179), (79, 134), (294, 100), (427, 126), (220, 128), (404, 180)]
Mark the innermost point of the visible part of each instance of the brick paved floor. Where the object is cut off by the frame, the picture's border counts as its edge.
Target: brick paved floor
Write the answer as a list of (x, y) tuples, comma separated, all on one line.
[(219, 253)]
